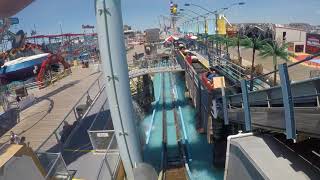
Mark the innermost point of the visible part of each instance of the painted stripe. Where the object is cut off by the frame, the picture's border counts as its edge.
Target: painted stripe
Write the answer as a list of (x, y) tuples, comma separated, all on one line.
[(181, 116), (188, 171), (153, 113), (183, 126), (78, 150)]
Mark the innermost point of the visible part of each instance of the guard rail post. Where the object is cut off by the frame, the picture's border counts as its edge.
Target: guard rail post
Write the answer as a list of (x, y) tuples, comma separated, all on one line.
[(246, 106), (287, 101), (224, 106)]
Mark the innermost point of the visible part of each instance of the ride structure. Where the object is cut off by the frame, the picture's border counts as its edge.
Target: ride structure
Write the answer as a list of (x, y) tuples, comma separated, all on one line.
[(68, 44), (45, 66), (23, 60)]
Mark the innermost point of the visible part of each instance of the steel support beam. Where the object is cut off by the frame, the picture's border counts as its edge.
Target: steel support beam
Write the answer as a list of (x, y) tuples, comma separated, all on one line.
[(115, 69), (287, 101), (246, 105)]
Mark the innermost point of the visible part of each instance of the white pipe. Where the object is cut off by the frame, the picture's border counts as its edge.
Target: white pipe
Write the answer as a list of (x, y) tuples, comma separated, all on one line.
[(239, 135)]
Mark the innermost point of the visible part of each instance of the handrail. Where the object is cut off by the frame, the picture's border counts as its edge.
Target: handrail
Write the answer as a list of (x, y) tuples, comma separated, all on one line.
[(71, 110), (53, 165), (230, 65), (96, 116), (276, 87), (84, 116), (105, 160), (291, 65), (97, 80)]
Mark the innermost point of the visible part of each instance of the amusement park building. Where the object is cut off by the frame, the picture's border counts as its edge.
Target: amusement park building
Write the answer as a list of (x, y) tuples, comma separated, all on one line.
[(295, 37)]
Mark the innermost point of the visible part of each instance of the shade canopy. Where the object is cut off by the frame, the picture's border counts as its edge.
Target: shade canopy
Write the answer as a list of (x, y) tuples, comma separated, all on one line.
[(171, 38), (9, 8), (193, 37)]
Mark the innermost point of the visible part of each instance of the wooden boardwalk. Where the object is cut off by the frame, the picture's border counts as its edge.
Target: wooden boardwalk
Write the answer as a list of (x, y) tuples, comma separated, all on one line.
[(54, 102)]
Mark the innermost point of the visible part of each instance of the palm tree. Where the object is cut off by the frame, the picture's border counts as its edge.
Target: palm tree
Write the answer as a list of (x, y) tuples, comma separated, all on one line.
[(214, 38), (236, 42), (255, 43), (219, 40), (275, 50), (228, 42)]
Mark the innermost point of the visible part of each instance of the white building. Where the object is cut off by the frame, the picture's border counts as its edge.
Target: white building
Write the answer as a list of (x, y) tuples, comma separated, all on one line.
[(295, 37)]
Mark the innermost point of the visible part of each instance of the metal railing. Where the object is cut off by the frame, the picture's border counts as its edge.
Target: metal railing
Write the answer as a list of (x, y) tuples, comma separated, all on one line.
[(231, 70), (101, 130), (287, 95), (111, 162), (144, 66), (54, 166), (62, 134), (103, 140)]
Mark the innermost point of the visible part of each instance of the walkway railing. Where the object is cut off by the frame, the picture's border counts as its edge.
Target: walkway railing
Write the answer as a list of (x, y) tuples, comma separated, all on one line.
[(102, 138), (153, 65), (287, 94), (232, 71), (62, 134), (101, 130), (110, 165), (54, 166)]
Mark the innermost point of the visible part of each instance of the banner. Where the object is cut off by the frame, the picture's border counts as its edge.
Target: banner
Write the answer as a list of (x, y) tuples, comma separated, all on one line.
[(14, 20), (205, 26), (87, 27), (221, 25), (313, 43)]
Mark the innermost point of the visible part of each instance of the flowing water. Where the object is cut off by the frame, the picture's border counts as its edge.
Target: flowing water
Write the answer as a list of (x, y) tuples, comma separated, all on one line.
[(199, 150)]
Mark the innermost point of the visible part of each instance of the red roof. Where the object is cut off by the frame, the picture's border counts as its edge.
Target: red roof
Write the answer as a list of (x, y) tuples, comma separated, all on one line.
[(60, 35)]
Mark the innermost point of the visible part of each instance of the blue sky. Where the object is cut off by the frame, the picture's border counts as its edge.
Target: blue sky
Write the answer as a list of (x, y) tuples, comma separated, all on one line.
[(48, 14)]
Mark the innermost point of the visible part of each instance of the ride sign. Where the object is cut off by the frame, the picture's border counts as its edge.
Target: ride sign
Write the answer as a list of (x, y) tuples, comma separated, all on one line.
[(13, 20)]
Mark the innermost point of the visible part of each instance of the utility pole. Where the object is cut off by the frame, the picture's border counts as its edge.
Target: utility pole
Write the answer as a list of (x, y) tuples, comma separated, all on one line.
[(35, 32), (115, 69), (60, 25)]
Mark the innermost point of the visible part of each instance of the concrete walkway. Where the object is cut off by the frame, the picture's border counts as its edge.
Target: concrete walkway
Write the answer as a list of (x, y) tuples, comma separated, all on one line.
[(53, 103)]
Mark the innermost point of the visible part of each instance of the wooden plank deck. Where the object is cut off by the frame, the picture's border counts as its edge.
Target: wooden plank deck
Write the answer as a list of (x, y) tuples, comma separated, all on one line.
[(54, 102)]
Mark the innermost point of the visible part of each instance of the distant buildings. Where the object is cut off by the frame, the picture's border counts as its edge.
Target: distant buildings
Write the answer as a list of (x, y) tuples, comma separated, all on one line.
[(296, 38), (152, 35), (126, 27), (301, 37), (262, 30)]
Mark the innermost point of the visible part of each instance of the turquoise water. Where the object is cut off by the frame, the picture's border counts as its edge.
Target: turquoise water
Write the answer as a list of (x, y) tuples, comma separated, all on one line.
[(201, 152), (152, 150)]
